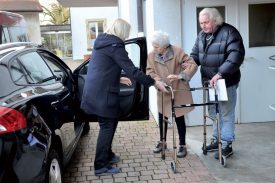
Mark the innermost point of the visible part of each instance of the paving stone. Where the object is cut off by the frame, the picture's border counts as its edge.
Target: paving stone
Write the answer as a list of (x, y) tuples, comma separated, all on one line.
[(134, 142)]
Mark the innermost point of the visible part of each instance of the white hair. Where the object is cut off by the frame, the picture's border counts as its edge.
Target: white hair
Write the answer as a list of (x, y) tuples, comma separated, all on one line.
[(120, 28), (213, 14), (160, 38)]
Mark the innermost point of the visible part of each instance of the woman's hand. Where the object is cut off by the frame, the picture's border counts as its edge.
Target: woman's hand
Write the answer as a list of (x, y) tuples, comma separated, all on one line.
[(126, 81), (161, 86), (173, 77)]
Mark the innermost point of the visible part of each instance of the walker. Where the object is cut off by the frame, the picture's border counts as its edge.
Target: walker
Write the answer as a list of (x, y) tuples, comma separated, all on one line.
[(205, 88)]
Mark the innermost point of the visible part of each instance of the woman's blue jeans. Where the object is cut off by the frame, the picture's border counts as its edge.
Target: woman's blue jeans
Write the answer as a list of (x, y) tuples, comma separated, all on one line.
[(227, 116)]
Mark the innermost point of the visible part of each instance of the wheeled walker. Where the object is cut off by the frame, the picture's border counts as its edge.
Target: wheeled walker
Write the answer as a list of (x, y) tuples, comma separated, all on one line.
[(205, 88)]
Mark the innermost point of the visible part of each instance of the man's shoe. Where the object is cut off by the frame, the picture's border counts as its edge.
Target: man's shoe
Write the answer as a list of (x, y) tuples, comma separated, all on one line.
[(158, 147), (109, 170), (182, 152), (115, 159), (213, 146), (226, 152)]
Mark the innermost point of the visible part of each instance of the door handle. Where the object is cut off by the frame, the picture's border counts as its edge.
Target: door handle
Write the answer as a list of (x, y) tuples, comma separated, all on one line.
[(54, 104)]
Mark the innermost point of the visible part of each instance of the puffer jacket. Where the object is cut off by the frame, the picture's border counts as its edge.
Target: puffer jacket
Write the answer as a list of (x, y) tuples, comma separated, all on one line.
[(224, 54)]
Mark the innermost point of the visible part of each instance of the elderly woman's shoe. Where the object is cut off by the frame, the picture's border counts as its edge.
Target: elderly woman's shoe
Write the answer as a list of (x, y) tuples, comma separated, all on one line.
[(158, 147), (182, 152)]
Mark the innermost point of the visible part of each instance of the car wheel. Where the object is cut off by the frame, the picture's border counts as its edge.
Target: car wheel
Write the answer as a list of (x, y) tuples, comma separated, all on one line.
[(86, 128), (54, 168)]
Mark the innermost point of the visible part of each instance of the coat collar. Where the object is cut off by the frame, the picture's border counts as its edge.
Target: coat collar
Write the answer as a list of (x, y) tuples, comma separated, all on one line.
[(168, 55)]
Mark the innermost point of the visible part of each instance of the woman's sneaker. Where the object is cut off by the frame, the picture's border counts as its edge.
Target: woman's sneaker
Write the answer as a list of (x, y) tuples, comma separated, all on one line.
[(115, 159), (182, 152), (108, 170), (158, 147)]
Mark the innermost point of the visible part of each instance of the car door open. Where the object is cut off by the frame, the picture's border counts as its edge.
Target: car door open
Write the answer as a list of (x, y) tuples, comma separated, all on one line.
[(134, 101)]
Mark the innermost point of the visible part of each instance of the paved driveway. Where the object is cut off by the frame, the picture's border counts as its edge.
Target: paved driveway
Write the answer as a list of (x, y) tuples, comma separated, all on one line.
[(134, 143)]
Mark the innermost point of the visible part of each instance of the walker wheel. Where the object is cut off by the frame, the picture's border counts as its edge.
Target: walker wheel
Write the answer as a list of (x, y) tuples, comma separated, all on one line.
[(173, 166), (204, 151), (223, 162)]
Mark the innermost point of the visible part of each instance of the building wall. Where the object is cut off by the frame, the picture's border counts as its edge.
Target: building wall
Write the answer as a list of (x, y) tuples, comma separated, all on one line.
[(166, 16), (33, 25), (157, 15), (78, 26)]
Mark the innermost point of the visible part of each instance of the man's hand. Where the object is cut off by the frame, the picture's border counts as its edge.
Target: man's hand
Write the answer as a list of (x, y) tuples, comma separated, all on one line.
[(184, 65), (214, 80), (173, 77), (161, 86)]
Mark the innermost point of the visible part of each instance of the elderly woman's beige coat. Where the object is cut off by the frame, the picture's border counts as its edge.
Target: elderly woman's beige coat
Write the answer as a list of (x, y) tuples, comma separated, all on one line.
[(159, 70)]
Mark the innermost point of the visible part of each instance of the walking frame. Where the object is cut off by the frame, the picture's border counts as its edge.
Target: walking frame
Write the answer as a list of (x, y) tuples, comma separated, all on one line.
[(205, 88)]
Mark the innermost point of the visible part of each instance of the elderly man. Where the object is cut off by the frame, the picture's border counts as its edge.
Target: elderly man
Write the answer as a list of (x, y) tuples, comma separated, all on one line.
[(219, 50)]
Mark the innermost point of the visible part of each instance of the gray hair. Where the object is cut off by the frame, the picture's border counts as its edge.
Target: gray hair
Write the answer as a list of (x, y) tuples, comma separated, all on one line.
[(120, 28), (213, 14), (161, 38)]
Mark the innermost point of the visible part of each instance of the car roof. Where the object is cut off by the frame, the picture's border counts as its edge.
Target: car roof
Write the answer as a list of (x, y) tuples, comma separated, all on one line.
[(9, 48)]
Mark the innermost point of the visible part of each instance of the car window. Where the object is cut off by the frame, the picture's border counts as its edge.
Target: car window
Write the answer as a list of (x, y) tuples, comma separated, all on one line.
[(134, 53), (56, 69), (37, 71), (17, 73)]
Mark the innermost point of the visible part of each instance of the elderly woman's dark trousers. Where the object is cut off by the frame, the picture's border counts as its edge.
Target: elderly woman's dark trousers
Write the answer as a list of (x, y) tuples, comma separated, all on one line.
[(180, 121), (104, 141)]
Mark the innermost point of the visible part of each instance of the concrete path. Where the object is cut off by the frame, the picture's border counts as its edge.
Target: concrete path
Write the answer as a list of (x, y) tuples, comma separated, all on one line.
[(253, 160)]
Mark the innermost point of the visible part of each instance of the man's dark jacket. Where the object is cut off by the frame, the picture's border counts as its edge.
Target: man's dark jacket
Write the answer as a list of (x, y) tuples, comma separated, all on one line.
[(101, 88), (224, 54)]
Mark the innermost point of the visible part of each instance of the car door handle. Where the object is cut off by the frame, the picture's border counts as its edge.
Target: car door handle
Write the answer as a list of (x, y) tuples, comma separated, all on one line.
[(54, 104)]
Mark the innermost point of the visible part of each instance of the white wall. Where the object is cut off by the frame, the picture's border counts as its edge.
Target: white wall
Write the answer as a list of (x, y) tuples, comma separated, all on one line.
[(128, 11), (32, 20), (157, 15), (78, 26)]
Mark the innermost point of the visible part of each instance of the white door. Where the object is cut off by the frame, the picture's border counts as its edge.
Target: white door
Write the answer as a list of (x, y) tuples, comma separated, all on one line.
[(257, 88), (189, 36)]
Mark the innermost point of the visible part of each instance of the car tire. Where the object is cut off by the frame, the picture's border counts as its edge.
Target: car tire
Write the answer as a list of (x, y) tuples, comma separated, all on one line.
[(86, 128), (53, 168)]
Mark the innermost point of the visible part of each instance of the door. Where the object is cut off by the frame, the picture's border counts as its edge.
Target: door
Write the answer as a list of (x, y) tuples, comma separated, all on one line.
[(190, 29), (133, 99), (257, 88)]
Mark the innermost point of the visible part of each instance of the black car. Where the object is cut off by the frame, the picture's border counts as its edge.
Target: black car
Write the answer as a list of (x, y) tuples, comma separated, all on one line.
[(40, 119)]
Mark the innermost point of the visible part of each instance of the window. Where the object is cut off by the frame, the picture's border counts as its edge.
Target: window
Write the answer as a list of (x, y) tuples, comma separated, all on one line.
[(59, 42), (17, 73), (36, 69), (56, 69), (261, 25), (94, 27), (133, 53)]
